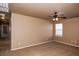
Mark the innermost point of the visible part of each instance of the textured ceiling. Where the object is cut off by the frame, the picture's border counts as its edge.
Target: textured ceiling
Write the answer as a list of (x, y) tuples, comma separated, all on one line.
[(43, 10)]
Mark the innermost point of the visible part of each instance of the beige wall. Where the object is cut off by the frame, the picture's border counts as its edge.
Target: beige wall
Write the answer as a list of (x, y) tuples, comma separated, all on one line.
[(26, 31), (70, 30)]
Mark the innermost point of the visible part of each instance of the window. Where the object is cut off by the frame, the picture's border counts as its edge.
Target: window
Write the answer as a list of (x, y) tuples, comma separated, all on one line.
[(59, 30), (4, 7)]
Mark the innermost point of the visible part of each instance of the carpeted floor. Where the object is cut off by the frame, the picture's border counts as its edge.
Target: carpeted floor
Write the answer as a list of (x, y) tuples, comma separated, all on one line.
[(48, 49)]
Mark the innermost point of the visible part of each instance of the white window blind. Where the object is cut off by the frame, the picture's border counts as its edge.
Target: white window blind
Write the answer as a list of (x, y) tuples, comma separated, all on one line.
[(59, 30)]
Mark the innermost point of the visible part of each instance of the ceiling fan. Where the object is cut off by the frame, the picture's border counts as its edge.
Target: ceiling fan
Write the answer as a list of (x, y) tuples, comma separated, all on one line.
[(56, 16)]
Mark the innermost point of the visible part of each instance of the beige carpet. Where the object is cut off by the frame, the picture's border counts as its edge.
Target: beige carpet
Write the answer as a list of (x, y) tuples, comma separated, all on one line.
[(48, 49)]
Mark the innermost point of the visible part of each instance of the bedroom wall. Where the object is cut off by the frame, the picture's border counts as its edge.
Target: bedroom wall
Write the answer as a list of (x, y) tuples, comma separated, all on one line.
[(70, 31), (27, 31)]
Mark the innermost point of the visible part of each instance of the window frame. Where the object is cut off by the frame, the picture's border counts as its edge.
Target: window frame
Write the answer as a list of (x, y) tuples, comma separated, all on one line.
[(59, 33)]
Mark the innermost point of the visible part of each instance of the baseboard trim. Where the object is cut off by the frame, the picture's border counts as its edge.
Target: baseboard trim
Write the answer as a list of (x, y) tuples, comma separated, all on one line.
[(66, 43), (30, 45)]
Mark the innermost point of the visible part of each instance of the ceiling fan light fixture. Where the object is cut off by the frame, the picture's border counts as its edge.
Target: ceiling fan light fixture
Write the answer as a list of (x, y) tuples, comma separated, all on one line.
[(54, 19), (2, 16), (57, 17)]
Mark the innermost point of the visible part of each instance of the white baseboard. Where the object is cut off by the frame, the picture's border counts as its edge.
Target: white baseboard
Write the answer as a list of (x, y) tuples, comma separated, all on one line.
[(30, 45), (66, 43)]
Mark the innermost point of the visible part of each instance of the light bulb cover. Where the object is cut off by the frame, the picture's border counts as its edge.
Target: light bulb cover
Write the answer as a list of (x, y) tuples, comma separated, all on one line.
[(2, 16), (56, 19)]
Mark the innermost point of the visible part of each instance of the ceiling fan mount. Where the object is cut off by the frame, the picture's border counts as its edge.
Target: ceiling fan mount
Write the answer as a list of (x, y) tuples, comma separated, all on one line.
[(55, 15)]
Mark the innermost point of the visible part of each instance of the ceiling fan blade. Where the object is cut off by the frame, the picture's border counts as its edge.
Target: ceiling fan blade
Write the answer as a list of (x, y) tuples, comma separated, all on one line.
[(62, 17), (50, 16)]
